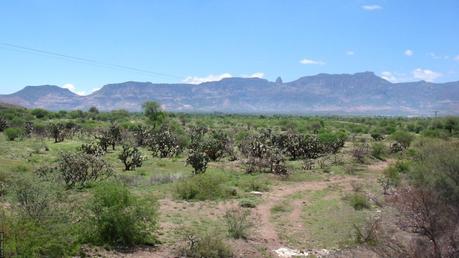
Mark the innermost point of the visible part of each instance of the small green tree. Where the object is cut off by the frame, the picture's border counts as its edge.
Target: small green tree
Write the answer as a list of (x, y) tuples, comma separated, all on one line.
[(152, 110)]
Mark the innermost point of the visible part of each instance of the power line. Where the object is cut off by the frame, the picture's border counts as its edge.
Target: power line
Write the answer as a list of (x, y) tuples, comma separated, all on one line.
[(83, 60)]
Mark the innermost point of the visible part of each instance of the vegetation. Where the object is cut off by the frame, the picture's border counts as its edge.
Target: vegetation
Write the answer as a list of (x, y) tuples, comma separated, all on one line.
[(73, 180), (118, 218)]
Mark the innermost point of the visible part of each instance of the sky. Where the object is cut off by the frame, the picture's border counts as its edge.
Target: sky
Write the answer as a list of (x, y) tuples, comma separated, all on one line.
[(84, 44)]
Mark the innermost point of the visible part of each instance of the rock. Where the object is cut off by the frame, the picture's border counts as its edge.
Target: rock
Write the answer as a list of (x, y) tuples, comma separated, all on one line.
[(256, 193)]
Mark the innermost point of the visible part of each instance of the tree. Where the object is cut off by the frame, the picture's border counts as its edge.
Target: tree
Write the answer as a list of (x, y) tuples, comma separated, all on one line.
[(57, 131), (114, 134), (152, 110), (451, 124), (131, 157), (279, 80), (39, 113), (93, 110)]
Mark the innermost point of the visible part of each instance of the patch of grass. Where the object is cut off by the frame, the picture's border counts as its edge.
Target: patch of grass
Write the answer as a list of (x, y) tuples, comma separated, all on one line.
[(330, 220), (248, 203), (358, 201), (206, 186), (238, 222), (281, 207)]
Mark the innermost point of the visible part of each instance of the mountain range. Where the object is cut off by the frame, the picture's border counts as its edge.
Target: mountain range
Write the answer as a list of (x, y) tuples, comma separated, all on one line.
[(343, 94)]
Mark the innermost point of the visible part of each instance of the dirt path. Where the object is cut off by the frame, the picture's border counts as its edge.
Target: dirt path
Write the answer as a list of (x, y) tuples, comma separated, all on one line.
[(266, 229)]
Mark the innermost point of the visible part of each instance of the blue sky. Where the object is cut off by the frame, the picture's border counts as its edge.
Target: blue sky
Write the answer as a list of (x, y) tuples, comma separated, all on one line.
[(198, 40)]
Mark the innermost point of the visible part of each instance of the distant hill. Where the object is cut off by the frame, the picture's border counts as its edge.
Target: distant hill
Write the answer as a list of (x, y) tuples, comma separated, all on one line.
[(359, 94), (8, 105)]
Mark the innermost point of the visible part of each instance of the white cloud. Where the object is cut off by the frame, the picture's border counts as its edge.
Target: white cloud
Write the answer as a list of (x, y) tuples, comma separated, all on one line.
[(257, 75), (426, 74), (408, 52), (350, 53), (435, 56), (371, 7), (389, 76), (73, 89), (218, 77), (456, 58), (311, 62), (209, 78)]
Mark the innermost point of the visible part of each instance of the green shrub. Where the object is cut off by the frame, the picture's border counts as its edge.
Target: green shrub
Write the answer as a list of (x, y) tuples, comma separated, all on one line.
[(247, 203), (207, 186), (198, 160), (79, 169), (118, 218), (207, 244), (35, 226), (238, 222), (359, 201), (13, 133), (378, 150), (33, 199), (402, 137), (390, 178), (436, 167)]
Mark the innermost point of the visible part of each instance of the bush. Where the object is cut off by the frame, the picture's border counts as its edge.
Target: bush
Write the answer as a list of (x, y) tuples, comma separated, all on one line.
[(402, 137), (377, 136), (198, 160), (238, 222), (207, 186), (118, 218), (33, 199), (378, 150), (247, 203), (13, 133), (164, 143), (368, 233), (131, 157), (57, 131), (215, 146), (359, 201), (79, 169), (92, 149), (359, 152), (390, 179), (200, 245), (3, 124), (436, 166), (332, 142)]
